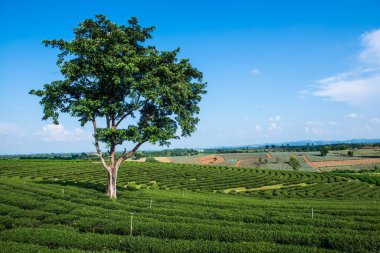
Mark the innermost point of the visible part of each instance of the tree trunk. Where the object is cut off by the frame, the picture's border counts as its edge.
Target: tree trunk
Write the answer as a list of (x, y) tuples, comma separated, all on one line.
[(111, 184)]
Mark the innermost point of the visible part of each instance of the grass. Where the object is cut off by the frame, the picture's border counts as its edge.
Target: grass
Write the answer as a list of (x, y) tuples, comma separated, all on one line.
[(262, 188), (60, 206)]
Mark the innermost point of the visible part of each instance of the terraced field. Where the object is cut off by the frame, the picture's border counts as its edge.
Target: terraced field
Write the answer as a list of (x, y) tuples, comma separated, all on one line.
[(60, 206), (310, 161), (331, 156), (192, 177), (338, 160)]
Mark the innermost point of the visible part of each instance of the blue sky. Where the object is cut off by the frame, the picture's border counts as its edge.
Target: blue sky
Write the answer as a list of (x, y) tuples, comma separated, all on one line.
[(276, 70)]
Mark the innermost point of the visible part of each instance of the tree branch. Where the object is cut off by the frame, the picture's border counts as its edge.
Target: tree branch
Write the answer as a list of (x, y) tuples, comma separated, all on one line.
[(122, 154), (112, 144), (96, 144), (108, 120), (128, 155), (129, 111)]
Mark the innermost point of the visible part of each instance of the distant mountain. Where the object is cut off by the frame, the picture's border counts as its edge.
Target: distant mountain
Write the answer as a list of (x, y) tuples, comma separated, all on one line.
[(302, 143)]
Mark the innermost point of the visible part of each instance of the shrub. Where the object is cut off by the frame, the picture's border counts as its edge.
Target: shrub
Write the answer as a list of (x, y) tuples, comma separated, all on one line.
[(324, 151), (151, 160), (294, 163), (154, 186), (137, 155), (132, 186)]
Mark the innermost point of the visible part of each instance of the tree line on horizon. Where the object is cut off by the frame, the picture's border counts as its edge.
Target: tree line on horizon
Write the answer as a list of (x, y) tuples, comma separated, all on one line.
[(190, 152)]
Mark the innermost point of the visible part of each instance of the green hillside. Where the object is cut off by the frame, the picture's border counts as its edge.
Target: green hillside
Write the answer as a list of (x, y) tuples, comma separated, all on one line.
[(60, 206)]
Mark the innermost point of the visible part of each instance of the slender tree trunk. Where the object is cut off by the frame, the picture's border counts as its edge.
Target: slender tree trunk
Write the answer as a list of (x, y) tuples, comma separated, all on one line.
[(111, 183)]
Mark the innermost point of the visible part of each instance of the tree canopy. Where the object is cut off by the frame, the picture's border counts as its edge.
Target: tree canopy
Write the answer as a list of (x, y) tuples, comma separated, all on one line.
[(324, 150), (294, 163)]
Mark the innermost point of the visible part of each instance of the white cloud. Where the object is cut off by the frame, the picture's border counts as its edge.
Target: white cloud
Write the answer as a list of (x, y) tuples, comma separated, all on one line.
[(314, 123), (352, 74), (274, 126), (273, 123), (53, 132), (11, 130), (320, 123), (275, 118), (362, 92), (12, 136), (258, 129), (314, 130), (354, 116), (361, 86), (375, 120), (318, 127), (303, 94), (371, 44), (255, 71)]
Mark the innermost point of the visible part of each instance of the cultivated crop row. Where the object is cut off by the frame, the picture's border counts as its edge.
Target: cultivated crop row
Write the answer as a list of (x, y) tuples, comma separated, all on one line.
[(42, 216), (247, 181)]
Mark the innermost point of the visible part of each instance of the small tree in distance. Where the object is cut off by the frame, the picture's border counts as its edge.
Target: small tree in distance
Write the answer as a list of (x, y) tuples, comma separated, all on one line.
[(140, 93), (324, 151), (294, 163), (151, 160), (350, 153), (137, 155)]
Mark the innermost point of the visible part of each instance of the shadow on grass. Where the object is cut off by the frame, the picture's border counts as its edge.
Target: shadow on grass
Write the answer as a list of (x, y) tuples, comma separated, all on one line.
[(86, 185), (368, 156)]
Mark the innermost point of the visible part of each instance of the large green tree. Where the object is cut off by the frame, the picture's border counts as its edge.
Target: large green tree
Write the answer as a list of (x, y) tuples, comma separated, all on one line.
[(140, 94)]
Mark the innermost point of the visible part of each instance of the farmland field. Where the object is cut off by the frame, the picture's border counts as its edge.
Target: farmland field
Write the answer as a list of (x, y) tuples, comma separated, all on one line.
[(60, 206), (310, 161)]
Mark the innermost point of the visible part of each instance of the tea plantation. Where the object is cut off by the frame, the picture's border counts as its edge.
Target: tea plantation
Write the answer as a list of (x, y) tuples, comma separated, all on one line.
[(56, 206)]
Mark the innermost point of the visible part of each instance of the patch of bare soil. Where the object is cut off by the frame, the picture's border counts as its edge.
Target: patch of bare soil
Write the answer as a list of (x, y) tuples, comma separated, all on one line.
[(344, 162), (211, 159), (246, 161), (311, 163), (164, 159)]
